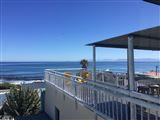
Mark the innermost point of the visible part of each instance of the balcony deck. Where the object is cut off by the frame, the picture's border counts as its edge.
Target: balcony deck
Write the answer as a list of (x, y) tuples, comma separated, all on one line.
[(107, 100)]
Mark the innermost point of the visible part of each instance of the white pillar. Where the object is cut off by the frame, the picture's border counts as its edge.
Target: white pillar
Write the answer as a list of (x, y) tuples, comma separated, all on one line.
[(130, 60), (94, 63), (94, 79), (131, 82)]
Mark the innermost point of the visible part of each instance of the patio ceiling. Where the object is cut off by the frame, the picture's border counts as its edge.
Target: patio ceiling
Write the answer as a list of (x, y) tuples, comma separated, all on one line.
[(153, 1), (147, 39)]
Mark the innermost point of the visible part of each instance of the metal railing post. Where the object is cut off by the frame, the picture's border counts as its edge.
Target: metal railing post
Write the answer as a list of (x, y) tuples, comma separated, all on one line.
[(63, 83), (75, 87), (46, 75)]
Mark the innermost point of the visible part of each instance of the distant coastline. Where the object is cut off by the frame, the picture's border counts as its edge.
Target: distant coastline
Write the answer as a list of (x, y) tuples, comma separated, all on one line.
[(98, 60)]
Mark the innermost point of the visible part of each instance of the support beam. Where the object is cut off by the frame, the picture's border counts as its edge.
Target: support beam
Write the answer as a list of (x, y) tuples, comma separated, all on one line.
[(131, 82), (94, 79), (94, 63), (130, 57)]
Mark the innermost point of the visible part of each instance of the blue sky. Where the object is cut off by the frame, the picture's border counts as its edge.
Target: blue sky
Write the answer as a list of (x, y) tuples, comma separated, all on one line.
[(57, 30)]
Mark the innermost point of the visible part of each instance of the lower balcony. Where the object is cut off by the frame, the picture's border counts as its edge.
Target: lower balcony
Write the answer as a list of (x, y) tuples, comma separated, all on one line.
[(104, 99)]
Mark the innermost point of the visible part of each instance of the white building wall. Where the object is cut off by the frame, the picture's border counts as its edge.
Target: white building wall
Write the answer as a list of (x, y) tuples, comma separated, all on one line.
[(68, 107)]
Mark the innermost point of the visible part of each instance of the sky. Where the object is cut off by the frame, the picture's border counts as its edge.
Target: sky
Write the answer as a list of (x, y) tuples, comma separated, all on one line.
[(58, 30)]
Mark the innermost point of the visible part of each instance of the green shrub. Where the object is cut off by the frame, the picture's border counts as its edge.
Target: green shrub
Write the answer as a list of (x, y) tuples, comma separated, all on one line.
[(21, 102), (6, 86)]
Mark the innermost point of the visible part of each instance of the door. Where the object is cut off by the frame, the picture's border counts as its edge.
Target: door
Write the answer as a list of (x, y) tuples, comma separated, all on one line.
[(57, 114)]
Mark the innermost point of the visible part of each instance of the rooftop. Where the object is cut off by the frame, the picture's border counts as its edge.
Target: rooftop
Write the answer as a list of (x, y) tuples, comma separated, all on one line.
[(146, 39)]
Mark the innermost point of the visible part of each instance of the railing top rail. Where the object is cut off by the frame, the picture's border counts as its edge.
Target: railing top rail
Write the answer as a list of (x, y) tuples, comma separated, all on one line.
[(64, 69), (60, 73)]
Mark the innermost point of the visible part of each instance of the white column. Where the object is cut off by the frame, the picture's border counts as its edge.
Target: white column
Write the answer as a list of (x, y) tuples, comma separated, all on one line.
[(94, 79), (131, 82), (130, 60), (94, 63)]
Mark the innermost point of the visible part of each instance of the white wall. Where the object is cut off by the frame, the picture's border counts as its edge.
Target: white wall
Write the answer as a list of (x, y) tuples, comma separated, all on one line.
[(67, 106)]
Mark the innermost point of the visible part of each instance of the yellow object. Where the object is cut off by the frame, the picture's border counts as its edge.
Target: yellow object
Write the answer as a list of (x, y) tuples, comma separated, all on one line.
[(85, 74), (67, 74), (81, 80)]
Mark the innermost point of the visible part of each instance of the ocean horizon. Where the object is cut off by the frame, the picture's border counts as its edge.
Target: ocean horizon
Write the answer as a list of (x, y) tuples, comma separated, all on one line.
[(90, 60)]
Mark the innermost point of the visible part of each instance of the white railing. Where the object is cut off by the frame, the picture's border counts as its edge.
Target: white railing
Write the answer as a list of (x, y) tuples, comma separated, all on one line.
[(107, 100)]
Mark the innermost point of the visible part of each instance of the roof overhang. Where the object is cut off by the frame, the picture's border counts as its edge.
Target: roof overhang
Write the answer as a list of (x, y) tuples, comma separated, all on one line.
[(147, 39), (157, 2)]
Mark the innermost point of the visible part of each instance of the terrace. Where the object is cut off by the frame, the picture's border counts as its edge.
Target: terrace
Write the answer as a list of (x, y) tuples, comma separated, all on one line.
[(118, 97)]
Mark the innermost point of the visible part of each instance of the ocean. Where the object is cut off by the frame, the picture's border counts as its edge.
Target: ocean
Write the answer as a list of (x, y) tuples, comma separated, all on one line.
[(27, 71), (18, 72)]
